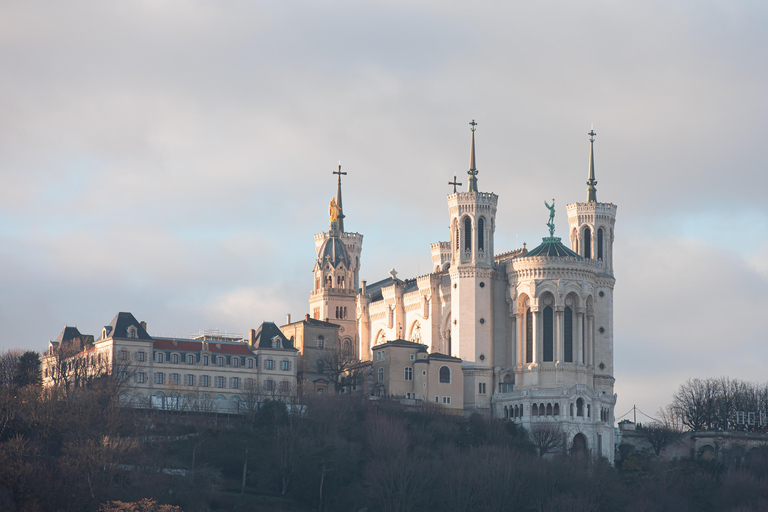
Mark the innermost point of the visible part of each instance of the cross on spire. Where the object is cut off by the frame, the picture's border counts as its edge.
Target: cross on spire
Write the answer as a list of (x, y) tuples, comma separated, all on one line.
[(591, 181), (454, 183), (339, 172), (472, 168), (472, 123)]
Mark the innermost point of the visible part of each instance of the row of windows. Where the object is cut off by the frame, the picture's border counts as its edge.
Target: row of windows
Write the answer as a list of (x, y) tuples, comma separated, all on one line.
[(548, 335), (446, 400), (468, 234), (190, 359), (587, 241), (269, 364), (554, 410), (444, 376), (204, 381)]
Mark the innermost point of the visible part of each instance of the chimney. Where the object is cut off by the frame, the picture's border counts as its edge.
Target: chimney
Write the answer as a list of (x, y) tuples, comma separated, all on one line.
[(307, 317), (364, 282), (143, 325), (252, 337), (288, 318)]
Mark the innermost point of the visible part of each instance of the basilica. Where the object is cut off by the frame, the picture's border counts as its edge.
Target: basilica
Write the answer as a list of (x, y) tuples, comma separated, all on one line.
[(531, 329)]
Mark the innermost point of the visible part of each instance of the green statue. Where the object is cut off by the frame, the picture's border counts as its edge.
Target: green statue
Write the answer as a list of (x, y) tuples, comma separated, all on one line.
[(551, 223)]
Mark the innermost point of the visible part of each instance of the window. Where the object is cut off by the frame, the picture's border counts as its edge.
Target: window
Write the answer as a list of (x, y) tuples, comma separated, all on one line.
[(219, 361), (141, 356), (175, 358), (221, 382), (141, 378), (380, 355), (437, 399), (548, 334), (467, 234), (249, 362), (528, 336), (235, 383), (269, 364), (269, 384), (190, 359), (445, 374), (235, 362), (408, 373), (424, 374), (407, 395), (123, 375), (587, 242), (132, 333), (205, 381), (580, 407), (159, 378), (285, 365), (284, 386), (446, 400), (413, 357), (123, 355), (480, 234), (189, 379), (600, 244), (175, 379), (159, 357), (568, 334), (381, 374), (481, 388), (320, 366), (320, 342), (249, 383), (204, 360)]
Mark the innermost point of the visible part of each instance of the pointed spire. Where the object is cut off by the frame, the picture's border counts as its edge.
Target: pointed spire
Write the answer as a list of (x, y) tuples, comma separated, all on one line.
[(472, 168), (591, 181), (338, 199)]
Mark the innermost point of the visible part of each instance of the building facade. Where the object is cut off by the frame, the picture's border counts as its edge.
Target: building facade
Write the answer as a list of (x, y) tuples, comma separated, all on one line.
[(533, 329)]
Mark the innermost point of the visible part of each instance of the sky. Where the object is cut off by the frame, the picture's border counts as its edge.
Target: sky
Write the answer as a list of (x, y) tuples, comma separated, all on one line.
[(173, 159)]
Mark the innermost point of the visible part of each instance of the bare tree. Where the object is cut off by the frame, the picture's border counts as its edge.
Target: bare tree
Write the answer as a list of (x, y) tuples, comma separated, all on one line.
[(547, 437), (341, 365), (660, 436)]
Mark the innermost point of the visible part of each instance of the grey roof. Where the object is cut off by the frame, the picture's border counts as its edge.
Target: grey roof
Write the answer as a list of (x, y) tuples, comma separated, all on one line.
[(68, 334), (333, 251), (118, 327), (374, 290), (551, 246), (266, 332)]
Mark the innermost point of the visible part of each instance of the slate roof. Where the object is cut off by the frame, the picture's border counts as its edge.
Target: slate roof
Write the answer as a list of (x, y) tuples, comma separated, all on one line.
[(68, 334), (551, 246), (266, 332), (374, 290), (218, 347), (314, 321), (118, 327), (333, 250)]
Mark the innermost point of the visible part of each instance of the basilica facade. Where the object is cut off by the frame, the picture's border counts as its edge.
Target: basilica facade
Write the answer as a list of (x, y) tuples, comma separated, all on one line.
[(533, 328)]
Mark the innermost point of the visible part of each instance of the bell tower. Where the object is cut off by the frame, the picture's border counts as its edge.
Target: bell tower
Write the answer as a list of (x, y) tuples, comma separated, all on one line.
[(473, 222)]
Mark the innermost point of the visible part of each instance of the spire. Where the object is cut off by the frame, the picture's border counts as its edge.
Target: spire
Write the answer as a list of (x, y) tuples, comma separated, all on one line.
[(472, 169), (591, 182), (338, 199)]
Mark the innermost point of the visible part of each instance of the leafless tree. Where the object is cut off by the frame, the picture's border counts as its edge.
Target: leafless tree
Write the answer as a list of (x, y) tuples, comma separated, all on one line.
[(342, 367), (660, 436), (547, 437)]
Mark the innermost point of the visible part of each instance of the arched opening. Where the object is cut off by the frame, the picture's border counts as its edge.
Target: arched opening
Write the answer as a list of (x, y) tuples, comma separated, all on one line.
[(528, 336), (506, 412), (467, 234), (549, 409), (556, 410), (548, 334), (579, 446), (580, 407), (600, 244), (587, 243), (480, 234), (568, 335), (445, 375), (534, 410)]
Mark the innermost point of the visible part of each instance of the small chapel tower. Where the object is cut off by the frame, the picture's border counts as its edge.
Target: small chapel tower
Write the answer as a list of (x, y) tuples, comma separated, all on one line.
[(336, 273), (473, 221), (591, 227)]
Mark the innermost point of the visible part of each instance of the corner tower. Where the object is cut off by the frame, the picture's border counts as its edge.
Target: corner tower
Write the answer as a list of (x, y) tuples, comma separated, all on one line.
[(591, 227), (473, 281), (336, 273)]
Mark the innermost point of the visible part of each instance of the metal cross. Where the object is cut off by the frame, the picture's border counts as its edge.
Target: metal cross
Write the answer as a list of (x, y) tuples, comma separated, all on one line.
[(473, 124), (339, 171), (454, 183), (592, 135)]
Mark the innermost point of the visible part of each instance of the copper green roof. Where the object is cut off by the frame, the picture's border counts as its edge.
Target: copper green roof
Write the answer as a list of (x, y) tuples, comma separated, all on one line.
[(551, 246)]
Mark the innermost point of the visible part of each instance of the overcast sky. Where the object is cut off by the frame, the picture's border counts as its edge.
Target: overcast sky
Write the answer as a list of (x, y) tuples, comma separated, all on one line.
[(173, 158)]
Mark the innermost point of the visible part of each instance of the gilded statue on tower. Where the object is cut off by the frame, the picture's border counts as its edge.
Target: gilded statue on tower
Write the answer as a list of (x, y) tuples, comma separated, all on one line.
[(333, 210)]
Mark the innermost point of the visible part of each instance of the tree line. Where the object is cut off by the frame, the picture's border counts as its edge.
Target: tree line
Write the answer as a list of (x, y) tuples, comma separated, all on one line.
[(721, 404)]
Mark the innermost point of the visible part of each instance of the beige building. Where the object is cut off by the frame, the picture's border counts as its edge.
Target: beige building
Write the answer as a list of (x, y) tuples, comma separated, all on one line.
[(211, 372), (317, 342)]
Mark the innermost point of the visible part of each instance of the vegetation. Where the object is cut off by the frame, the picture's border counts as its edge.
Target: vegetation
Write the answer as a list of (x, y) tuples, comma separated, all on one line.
[(78, 450)]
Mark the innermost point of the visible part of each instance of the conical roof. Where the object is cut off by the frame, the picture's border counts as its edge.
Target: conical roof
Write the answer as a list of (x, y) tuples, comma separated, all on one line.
[(551, 246), (334, 252)]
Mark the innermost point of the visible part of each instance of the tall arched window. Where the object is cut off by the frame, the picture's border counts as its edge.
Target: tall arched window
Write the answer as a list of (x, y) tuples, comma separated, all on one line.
[(579, 407), (445, 374), (457, 237), (568, 334), (528, 336), (548, 332), (600, 244), (587, 243), (467, 234), (480, 234)]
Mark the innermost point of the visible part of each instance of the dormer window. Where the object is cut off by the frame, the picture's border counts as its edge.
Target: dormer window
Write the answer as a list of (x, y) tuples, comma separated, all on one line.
[(277, 342), (105, 332), (133, 332)]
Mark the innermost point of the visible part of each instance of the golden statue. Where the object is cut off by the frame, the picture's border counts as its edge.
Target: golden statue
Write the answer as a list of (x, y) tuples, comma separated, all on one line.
[(334, 210)]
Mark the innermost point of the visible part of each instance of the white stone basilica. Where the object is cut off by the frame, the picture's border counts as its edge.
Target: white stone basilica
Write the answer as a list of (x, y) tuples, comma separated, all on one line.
[(534, 329)]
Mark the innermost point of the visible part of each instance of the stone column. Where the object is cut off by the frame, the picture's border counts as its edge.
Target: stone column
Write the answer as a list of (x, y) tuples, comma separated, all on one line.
[(520, 337), (538, 353), (559, 336), (579, 338), (590, 340)]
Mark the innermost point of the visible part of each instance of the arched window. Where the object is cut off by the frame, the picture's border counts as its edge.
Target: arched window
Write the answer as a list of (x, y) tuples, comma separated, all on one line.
[(534, 410), (520, 412), (556, 410), (548, 334), (345, 312), (480, 234), (320, 366), (528, 336), (571, 410), (445, 374), (456, 235), (600, 244), (587, 242), (568, 334), (467, 234), (549, 409), (506, 411), (580, 407)]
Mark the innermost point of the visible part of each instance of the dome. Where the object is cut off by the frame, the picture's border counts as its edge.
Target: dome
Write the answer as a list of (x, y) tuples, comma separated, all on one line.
[(551, 246), (334, 252)]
